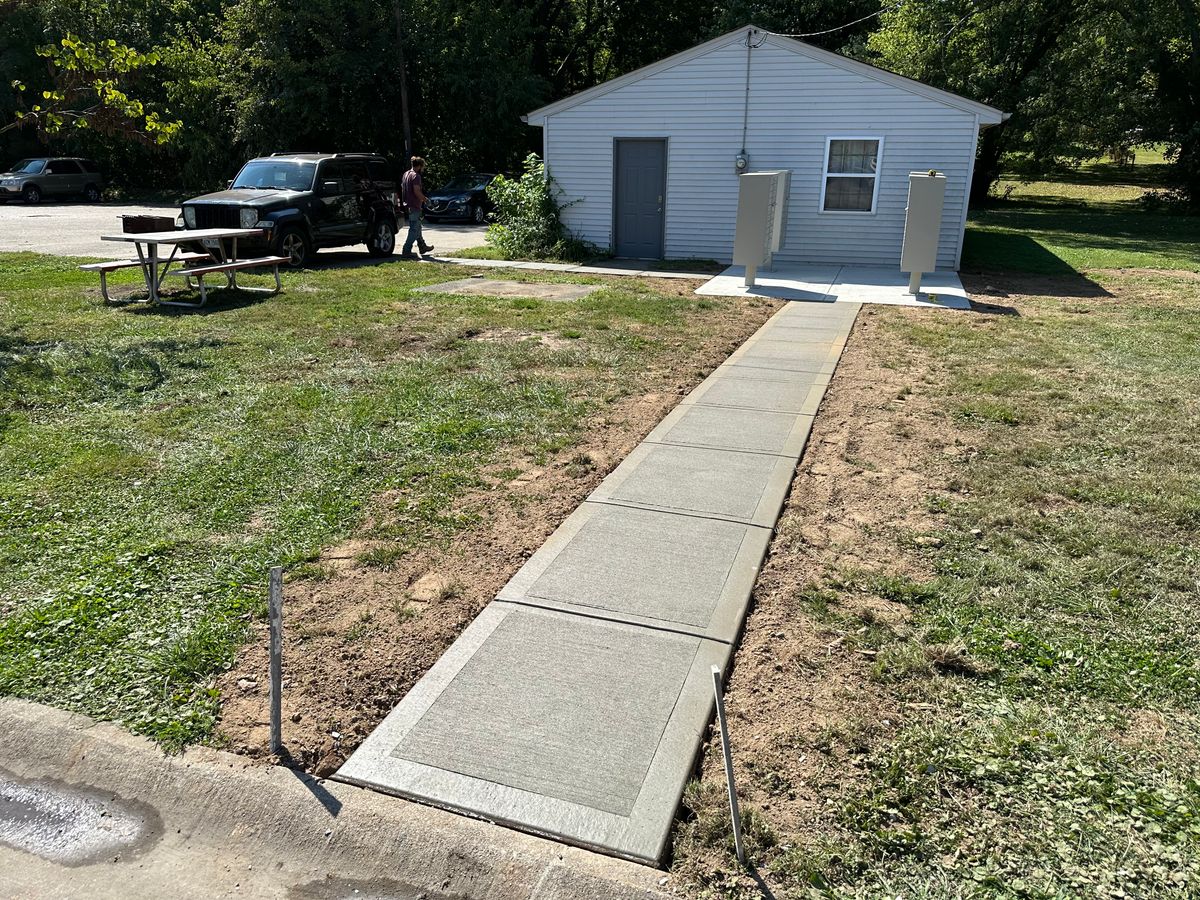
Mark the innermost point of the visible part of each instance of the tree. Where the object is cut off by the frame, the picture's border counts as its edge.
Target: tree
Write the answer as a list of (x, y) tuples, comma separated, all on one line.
[(1168, 34), (90, 84), (1079, 77)]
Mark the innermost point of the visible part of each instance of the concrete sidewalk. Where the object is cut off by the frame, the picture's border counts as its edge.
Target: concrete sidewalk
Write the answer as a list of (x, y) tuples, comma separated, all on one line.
[(575, 704), (89, 810)]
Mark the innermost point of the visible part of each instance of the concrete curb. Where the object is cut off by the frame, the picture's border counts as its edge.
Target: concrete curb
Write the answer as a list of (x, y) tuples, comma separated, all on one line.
[(219, 826)]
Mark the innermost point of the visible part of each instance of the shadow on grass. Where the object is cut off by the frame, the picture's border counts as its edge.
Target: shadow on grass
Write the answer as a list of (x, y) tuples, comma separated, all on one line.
[(1017, 252), (220, 300), (1118, 226)]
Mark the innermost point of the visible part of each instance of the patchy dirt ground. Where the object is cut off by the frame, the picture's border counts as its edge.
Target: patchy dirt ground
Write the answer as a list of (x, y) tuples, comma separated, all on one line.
[(801, 702), (361, 628)]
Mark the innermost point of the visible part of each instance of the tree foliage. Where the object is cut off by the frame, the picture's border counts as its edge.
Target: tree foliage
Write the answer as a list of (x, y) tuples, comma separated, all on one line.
[(248, 76), (1080, 77), (89, 89)]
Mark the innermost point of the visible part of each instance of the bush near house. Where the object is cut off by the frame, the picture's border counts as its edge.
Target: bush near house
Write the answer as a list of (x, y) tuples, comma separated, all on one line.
[(529, 218)]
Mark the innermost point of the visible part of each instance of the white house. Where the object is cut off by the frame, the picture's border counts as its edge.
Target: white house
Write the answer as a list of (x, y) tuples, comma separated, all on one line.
[(648, 162)]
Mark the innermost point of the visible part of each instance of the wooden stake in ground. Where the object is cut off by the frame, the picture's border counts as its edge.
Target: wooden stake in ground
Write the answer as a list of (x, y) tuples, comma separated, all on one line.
[(275, 620), (733, 803)]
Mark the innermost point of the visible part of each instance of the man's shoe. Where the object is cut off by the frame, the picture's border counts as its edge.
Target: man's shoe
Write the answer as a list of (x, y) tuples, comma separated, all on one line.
[(428, 249), (409, 255)]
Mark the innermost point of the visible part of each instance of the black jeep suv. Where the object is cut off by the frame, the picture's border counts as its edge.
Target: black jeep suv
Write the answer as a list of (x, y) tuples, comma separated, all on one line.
[(304, 201)]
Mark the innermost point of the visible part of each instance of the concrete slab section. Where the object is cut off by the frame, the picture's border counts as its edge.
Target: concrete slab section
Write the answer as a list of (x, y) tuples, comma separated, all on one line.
[(814, 285), (494, 287), (729, 387), (740, 487), (753, 430), (771, 354), (567, 726), (876, 284), (733, 370), (644, 567)]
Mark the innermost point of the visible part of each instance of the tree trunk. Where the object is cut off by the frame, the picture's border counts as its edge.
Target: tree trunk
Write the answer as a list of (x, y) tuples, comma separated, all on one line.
[(405, 126), (987, 163)]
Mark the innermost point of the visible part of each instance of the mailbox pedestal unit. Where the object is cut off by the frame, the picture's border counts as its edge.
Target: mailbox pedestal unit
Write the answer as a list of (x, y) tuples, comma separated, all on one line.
[(761, 219), (922, 226)]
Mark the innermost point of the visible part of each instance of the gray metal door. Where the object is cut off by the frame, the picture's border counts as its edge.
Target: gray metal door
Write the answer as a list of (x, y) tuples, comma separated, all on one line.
[(639, 197)]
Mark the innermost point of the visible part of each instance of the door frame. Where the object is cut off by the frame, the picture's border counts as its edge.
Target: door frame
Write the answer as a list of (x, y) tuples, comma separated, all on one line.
[(616, 159)]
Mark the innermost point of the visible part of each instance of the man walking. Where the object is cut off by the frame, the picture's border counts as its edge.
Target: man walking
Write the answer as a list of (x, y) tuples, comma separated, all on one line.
[(413, 190)]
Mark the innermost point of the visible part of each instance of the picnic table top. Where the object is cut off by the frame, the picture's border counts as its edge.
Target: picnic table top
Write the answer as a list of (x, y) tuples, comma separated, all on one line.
[(179, 236)]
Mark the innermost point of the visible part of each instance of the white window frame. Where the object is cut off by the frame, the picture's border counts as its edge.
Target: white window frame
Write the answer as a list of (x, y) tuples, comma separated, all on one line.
[(826, 175)]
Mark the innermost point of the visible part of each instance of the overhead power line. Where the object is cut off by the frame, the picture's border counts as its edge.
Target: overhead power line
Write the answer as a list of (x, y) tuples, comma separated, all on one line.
[(878, 12)]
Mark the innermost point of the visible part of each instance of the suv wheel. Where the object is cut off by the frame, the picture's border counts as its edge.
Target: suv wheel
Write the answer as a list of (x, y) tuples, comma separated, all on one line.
[(293, 243), (32, 193), (381, 241), (91, 194), (478, 216)]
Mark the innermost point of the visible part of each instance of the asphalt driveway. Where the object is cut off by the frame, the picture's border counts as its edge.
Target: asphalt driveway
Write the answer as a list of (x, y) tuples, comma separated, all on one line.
[(74, 229)]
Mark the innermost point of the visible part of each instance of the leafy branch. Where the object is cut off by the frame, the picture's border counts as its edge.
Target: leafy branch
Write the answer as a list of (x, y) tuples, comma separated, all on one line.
[(90, 91)]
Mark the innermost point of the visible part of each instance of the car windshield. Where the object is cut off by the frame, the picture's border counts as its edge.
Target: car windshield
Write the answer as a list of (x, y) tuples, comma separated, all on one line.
[(468, 183), (28, 166), (276, 175)]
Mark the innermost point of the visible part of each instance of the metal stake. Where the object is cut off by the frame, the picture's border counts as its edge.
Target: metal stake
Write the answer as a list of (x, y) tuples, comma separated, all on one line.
[(275, 619), (733, 803)]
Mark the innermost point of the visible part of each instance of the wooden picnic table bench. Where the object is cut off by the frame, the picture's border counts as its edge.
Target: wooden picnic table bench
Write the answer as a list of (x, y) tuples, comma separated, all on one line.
[(230, 270), (115, 265)]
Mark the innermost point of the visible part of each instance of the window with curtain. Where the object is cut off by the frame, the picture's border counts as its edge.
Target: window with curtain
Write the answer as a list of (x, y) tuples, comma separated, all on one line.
[(851, 171)]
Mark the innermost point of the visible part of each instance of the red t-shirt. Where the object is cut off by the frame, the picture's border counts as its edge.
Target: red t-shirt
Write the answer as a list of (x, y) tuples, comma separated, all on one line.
[(409, 185)]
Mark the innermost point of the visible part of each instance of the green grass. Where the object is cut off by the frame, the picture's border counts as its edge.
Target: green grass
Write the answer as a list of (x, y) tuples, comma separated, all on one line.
[(1047, 682), (1081, 219), (155, 463)]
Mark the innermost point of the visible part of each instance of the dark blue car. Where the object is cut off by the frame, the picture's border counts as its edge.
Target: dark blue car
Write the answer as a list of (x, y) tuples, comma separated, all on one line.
[(463, 199)]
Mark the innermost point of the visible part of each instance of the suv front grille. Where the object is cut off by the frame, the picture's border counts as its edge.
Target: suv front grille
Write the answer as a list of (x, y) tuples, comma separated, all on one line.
[(211, 215)]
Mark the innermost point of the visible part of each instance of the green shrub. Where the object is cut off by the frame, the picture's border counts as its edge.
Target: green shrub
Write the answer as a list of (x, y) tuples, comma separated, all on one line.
[(528, 223)]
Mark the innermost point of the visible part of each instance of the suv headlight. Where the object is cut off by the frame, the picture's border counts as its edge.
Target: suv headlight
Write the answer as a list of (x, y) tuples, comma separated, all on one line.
[(189, 216), (248, 216)]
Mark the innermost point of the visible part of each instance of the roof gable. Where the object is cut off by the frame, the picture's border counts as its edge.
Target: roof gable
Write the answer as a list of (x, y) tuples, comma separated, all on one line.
[(987, 115)]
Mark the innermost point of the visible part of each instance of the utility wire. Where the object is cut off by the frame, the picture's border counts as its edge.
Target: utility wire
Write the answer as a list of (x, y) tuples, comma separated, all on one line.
[(878, 12)]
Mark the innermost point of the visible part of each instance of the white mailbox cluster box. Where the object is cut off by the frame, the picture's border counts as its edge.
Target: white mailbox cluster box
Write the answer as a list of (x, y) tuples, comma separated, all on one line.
[(922, 225), (761, 219)]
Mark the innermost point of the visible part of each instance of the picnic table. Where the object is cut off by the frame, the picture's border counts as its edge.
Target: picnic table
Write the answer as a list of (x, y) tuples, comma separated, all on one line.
[(221, 257)]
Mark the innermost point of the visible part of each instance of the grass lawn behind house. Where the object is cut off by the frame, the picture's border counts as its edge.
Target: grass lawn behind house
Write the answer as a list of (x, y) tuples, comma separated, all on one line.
[(155, 463), (1088, 218)]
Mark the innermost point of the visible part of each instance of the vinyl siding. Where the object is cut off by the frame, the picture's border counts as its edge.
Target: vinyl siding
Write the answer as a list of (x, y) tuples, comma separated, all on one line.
[(795, 104)]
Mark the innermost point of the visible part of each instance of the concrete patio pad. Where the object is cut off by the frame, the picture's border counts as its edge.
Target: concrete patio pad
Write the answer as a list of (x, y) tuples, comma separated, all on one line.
[(816, 284), (725, 484), (681, 573), (495, 287), (567, 726)]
